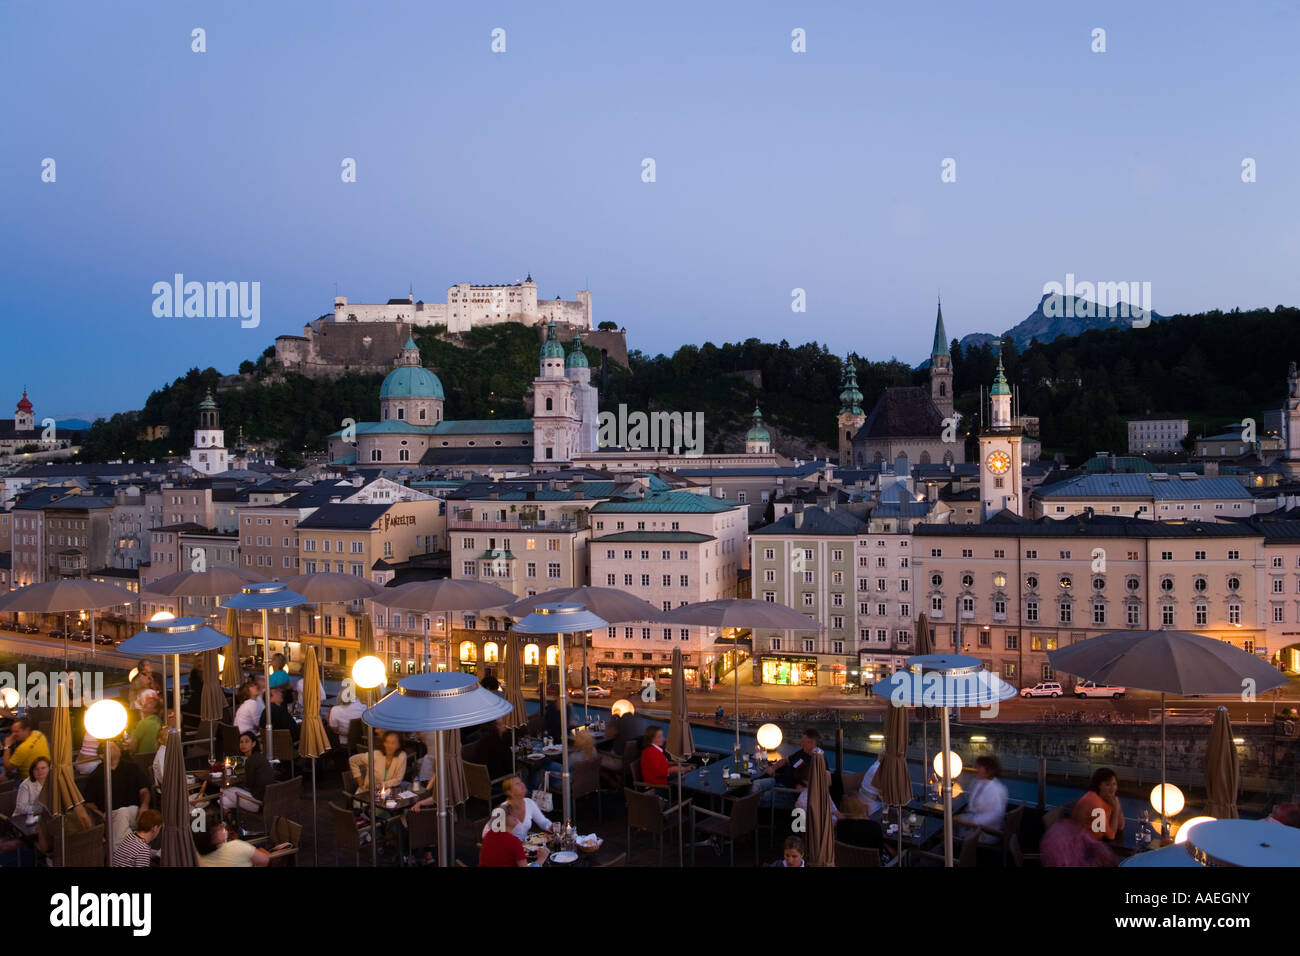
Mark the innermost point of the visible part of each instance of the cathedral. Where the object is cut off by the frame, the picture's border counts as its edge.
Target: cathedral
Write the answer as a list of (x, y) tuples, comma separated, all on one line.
[(412, 427), (908, 422)]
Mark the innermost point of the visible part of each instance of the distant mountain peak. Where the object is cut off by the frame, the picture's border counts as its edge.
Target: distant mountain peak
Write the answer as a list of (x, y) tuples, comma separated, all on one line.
[(1057, 315)]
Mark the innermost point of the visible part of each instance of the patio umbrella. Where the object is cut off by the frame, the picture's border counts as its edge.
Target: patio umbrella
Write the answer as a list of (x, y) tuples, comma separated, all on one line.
[(821, 822), (174, 637), (1222, 770), (212, 703), (892, 780), (442, 702), (212, 583), (611, 604), (331, 587), (457, 788), (748, 613), (63, 596), (924, 646), (265, 597), (313, 741), (680, 742), (444, 596), (177, 844), (514, 693), (60, 793), (230, 673), (948, 680), (1171, 662)]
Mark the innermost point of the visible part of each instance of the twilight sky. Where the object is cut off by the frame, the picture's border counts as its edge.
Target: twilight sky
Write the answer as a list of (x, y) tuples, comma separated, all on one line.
[(775, 170)]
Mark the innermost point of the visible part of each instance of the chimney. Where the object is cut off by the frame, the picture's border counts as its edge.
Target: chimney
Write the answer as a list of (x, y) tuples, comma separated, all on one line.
[(579, 494), (494, 496), (798, 516)]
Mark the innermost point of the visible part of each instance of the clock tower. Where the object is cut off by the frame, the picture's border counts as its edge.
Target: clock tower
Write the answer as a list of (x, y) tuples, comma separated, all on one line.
[(1001, 480)]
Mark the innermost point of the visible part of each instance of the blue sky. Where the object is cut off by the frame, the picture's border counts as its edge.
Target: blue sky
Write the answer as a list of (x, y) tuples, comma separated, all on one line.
[(775, 170)]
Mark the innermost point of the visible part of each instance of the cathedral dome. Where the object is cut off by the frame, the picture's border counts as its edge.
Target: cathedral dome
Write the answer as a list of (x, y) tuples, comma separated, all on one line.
[(552, 348), (577, 358), (758, 433), (411, 381)]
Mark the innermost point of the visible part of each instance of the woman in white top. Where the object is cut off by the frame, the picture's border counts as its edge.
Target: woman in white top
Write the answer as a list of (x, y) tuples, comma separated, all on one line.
[(526, 809), (29, 791), (986, 805), (868, 793), (390, 764)]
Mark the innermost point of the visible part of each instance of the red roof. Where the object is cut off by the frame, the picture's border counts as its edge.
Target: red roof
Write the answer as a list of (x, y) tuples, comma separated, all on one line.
[(23, 404)]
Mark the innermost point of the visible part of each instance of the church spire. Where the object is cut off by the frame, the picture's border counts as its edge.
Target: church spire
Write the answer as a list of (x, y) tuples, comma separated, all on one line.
[(940, 335), (850, 396)]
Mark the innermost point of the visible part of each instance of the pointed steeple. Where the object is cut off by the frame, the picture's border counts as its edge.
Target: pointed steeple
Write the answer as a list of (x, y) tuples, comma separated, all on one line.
[(577, 357), (850, 396), (1000, 386), (940, 346), (410, 352), (552, 348)]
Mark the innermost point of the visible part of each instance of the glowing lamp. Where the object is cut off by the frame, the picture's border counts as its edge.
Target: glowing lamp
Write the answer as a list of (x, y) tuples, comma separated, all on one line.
[(10, 697), (163, 616), (954, 765), (368, 672), (769, 736), (105, 719), (621, 707), (1173, 800), (1186, 828)]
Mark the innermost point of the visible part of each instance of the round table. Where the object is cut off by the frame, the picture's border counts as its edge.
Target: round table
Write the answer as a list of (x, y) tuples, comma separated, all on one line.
[(1244, 843), (1175, 855)]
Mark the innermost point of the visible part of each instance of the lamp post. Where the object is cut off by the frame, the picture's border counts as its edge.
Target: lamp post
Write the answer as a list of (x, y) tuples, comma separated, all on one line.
[(105, 720), (368, 673)]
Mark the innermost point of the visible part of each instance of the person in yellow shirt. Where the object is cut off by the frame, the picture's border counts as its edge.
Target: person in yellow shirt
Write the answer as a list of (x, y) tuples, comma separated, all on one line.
[(23, 746)]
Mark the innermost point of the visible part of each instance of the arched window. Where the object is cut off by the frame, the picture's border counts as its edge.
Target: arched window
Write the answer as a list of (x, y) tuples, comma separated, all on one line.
[(376, 455), (401, 413), (422, 414), (532, 654), (491, 653), (468, 651), (552, 656), (943, 389), (549, 404), (925, 458)]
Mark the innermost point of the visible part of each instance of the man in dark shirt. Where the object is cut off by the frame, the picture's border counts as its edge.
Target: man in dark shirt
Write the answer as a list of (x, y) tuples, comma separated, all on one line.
[(490, 681), (792, 771), (280, 717), (130, 790)]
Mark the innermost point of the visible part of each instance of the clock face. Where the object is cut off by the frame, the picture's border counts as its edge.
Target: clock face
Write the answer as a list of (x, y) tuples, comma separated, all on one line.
[(999, 462)]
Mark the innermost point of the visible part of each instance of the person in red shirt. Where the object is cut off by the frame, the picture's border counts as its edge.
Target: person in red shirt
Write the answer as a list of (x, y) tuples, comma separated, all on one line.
[(655, 768), (502, 847)]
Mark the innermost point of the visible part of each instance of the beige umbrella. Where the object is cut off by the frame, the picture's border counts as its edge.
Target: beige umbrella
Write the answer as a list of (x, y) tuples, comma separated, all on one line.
[(331, 587), (924, 645), (821, 824), (313, 742), (680, 743), (60, 793), (892, 780), (63, 596), (213, 583), (515, 681), (230, 674), (212, 705), (457, 789), (177, 844), (1222, 770), (444, 596)]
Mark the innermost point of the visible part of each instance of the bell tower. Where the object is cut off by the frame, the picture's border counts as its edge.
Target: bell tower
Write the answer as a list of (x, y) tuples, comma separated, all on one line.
[(851, 416), (941, 368), (1001, 479)]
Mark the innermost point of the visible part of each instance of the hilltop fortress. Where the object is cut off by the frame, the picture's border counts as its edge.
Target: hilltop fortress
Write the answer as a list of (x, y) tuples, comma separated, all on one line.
[(368, 337)]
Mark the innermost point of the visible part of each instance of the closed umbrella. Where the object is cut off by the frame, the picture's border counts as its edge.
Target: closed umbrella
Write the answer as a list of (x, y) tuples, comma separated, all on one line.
[(821, 822), (212, 703), (1222, 770), (177, 844), (60, 794), (313, 741), (892, 780), (444, 596), (518, 717), (747, 613), (230, 672), (1171, 662), (680, 742), (925, 646)]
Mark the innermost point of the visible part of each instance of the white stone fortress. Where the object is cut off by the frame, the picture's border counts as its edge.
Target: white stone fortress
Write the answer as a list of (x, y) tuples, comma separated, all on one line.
[(470, 306)]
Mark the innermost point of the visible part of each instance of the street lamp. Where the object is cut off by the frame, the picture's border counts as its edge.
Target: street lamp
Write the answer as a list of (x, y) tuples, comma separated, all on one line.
[(769, 737), (368, 673), (105, 720)]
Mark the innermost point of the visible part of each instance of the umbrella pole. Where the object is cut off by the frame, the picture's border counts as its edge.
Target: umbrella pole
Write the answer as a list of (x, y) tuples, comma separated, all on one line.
[(374, 834), (947, 794), (735, 682), (266, 669), (92, 635), (442, 805), (564, 733), (586, 699), (176, 689), (315, 827), (428, 651), (1164, 823)]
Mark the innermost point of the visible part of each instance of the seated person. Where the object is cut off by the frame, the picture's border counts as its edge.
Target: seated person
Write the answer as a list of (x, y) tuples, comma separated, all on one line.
[(215, 849), (525, 810), (492, 749), (29, 791), (792, 854), (503, 847), (279, 674), (868, 793), (134, 848), (584, 752), (390, 764), (143, 738), (87, 758), (280, 717), (248, 716), (258, 775), (131, 792), (160, 758), (23, 746), (655, 768), (1097, 819), (341, 716), (792, 771), (986, 804)]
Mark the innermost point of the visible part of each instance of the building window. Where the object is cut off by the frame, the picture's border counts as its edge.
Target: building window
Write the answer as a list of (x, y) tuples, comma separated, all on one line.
[(1012, 641), (553, 570), (1067, 612), (1031, 612), (1167, 615), (1234, 613), (776, 643), (1099, 614), (1234, 555), (1134, 613)]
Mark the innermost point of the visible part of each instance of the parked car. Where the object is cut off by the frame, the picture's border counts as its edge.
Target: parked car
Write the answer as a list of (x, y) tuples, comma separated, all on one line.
[(1044, 688), (1087, 688), (593, 690), (107, 641)]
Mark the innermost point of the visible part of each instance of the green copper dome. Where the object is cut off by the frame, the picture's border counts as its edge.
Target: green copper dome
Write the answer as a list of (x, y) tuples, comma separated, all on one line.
[(1000, 386), (411, 381), (850, 397), (208, 401), (758, 433), (552, 348), (577, 357)]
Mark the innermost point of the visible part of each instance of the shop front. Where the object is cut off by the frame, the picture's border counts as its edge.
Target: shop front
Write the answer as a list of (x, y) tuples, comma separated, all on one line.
[(788, 671)]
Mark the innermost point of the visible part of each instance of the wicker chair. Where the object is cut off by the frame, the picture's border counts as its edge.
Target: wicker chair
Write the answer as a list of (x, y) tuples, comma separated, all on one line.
[(848, 855), (646, 813), (742, 822)]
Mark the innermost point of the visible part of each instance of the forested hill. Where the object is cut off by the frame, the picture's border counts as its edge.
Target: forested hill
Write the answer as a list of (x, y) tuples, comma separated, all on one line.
[(1214, 368)]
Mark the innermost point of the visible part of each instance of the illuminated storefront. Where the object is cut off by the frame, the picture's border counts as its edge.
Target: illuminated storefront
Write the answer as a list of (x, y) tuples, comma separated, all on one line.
[(788, 671)]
